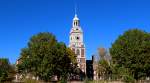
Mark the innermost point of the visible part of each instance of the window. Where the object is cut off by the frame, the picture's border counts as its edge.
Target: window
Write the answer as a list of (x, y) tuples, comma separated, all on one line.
[(76, 23), (78, 60), (78, 52), (82, 52), (71, 38), (73, 49)]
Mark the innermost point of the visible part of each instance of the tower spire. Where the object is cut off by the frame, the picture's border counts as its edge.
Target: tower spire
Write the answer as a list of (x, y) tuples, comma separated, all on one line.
[(76, 41), (75, 7)]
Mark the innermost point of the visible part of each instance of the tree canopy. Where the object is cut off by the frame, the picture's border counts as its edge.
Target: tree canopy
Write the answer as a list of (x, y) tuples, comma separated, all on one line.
[(6, 70), (132, 52), (45, 57)]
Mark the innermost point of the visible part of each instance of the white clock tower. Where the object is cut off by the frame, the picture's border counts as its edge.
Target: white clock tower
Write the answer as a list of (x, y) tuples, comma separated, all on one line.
[(76, 43)]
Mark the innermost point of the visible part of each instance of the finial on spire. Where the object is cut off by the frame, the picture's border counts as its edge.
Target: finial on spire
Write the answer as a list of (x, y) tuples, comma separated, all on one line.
[(75, 19), (75, 7)]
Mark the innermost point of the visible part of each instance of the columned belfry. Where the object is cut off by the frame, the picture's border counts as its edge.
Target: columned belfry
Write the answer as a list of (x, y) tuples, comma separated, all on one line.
[(76, 43)]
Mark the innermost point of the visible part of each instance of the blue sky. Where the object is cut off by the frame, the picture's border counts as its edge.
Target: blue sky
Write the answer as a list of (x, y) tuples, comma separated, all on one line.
[(101, 20)]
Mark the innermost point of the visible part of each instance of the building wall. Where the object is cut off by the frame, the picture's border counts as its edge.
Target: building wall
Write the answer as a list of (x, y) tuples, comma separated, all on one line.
[(89, 69), (76, 43)]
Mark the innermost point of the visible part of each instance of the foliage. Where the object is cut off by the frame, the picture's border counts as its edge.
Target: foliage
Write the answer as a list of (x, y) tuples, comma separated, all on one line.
[(45, 57), (103, 68), (131, 52), (129, 79), (6, 70)]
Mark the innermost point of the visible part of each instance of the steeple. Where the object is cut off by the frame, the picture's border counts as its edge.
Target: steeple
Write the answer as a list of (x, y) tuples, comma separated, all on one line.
[(76, 42), (76, 21)]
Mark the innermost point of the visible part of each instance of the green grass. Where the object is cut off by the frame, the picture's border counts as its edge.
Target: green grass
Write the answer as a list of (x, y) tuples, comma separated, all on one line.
[(96, 81), (30, 81), (102, 81)]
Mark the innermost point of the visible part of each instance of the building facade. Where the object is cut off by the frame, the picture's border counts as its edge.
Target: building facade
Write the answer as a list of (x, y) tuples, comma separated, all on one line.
[(76, 43), (89, 69)]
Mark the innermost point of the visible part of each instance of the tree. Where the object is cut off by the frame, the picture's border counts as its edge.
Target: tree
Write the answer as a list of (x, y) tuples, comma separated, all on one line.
[(104, 67), (45, 57), (6, 70), (132, 52)]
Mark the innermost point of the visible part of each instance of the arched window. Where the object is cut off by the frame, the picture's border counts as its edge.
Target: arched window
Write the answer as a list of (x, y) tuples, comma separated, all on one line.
[(74, 23), (78, 52), (71, 38)]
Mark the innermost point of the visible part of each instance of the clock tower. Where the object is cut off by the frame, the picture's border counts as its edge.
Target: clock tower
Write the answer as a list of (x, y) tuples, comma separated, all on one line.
[(77, 44)]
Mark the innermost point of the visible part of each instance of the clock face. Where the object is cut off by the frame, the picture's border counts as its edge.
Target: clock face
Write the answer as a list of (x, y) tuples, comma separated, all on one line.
[(77, 38)]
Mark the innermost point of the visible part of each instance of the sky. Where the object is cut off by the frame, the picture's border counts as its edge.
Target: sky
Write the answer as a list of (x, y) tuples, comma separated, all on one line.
[(102, 21)]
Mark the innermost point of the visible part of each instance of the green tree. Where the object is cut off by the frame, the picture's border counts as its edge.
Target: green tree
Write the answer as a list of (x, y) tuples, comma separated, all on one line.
[(6, 70), (131, 51), (104, 69), (45, 57)]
